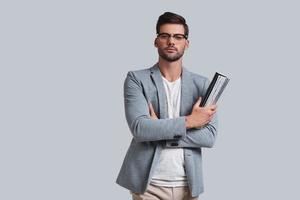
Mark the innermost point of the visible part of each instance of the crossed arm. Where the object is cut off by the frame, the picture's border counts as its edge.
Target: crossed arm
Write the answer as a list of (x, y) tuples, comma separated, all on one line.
[(182, 131)]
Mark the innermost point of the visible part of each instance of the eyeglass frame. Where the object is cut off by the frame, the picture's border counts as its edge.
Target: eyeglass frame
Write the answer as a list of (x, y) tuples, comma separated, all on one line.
[(172, 35)]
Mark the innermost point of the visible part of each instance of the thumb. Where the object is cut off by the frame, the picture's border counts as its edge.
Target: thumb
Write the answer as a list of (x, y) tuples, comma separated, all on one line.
[(198, 102)]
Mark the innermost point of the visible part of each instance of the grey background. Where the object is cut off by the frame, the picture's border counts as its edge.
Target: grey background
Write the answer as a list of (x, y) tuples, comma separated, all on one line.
[(63, 63)]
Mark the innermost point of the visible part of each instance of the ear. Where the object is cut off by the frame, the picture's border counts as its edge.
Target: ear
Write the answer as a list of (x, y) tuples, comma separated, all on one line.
[(155, 42), (187, 44)]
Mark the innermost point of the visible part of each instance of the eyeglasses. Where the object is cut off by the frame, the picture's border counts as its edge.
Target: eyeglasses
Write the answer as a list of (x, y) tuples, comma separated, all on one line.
[(166, 36)]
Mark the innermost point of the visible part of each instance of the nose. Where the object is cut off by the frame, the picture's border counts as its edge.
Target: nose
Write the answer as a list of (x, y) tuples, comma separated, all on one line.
[(171, 41)]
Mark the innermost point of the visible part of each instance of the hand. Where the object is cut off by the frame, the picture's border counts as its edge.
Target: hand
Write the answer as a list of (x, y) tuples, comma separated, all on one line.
[(200, 115), (152, 113)]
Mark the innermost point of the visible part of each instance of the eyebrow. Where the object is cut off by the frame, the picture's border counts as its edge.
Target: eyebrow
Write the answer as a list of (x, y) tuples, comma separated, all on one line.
[(171, 33)]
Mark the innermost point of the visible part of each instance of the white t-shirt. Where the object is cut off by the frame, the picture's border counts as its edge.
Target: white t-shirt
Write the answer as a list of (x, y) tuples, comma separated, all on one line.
[(170, 170)]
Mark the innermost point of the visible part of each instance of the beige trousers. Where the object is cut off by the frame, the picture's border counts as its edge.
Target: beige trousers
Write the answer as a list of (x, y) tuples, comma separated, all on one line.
[(154, 192)]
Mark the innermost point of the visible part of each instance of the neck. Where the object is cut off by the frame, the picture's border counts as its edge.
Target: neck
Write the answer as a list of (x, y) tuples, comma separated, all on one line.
[(170, 70)]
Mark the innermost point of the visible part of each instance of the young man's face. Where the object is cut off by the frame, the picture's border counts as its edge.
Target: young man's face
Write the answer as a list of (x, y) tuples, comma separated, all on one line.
[(171, 48)]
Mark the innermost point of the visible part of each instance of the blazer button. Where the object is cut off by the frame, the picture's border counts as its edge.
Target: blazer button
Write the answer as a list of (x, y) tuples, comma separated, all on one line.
[(173, 144), (177, 136)]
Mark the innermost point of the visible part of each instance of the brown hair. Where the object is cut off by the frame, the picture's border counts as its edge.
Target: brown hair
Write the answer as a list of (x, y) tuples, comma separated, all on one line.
[(172, 18)]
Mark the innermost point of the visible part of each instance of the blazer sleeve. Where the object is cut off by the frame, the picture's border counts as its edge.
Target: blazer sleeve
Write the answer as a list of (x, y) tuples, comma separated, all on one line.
[(142, 127), (198, 137)]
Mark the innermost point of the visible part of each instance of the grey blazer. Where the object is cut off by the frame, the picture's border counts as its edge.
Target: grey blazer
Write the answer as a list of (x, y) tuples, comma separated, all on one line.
[(150, 136)]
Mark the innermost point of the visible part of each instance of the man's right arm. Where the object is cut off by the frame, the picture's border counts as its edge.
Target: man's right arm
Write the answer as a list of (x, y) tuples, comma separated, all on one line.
[(142, 126)]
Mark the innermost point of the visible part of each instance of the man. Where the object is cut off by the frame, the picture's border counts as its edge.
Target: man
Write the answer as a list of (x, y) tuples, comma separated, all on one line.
[(169, 128)]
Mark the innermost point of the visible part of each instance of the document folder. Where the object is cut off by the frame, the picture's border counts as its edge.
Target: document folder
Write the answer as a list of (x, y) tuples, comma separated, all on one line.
[(214, 90)]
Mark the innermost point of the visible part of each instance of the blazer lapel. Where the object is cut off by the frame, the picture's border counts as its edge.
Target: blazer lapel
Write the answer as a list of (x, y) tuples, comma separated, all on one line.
[(157, 79), (186, 102)]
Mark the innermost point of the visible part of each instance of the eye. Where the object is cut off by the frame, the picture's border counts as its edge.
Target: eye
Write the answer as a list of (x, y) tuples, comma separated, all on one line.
[(164, 36), (179, 37)]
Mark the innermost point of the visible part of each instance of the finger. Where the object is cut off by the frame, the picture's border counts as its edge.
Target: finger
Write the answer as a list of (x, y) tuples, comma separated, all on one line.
[(213, 107), (151, 107), (152, 112), (208, 120), (212, 112)]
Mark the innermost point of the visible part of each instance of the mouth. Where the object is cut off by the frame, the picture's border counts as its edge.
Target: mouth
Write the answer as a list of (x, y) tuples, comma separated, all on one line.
[(170, 49)]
